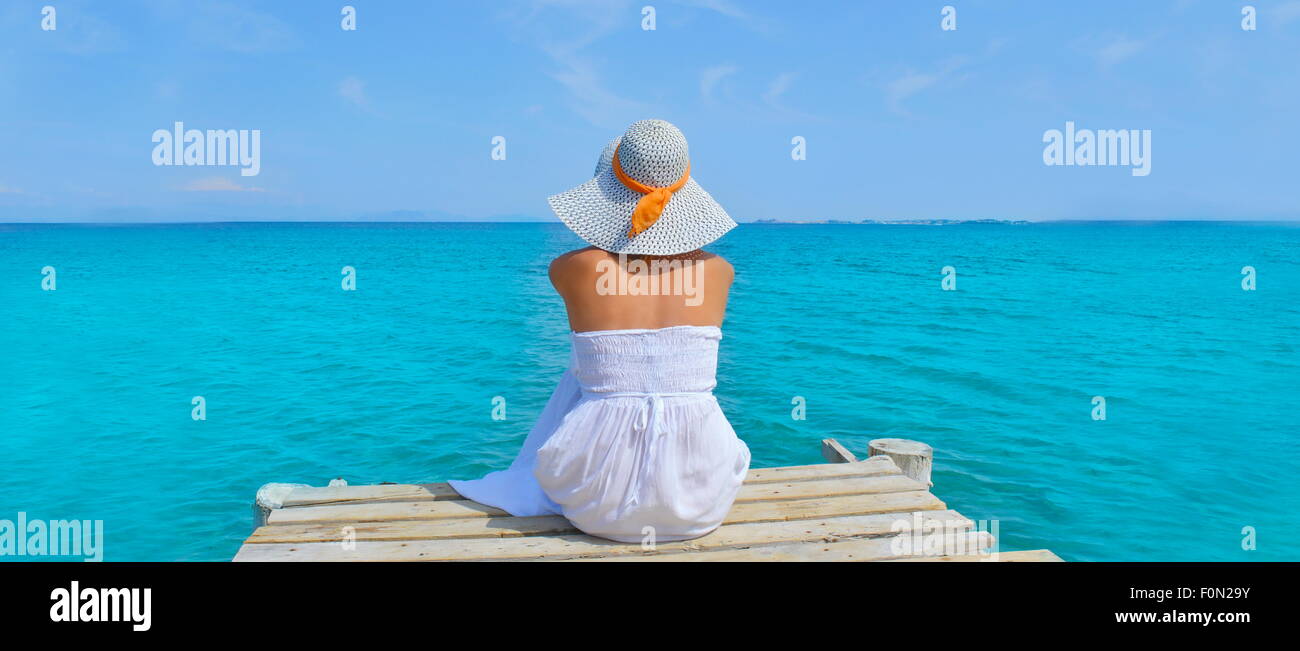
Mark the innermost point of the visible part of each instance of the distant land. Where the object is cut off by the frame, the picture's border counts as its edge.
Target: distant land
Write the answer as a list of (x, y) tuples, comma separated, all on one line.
[(921, 222), (308, 214), (210, 214)]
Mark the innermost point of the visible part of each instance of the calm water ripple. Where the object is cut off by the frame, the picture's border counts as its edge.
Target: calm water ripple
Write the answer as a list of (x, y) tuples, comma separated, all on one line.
[(305, 382)]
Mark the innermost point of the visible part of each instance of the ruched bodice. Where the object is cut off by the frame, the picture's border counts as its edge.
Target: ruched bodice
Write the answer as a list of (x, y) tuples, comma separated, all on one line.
[(632, 445), (667, 360)]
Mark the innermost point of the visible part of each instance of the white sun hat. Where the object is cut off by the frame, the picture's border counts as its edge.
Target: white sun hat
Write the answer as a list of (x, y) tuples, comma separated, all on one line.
[(650, 153)]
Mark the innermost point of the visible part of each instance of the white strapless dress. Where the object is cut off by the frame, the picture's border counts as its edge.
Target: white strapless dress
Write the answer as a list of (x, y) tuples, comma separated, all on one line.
[(632, 445)]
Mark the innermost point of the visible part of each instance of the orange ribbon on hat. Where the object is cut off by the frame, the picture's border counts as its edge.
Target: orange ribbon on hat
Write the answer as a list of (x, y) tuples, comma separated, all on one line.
[(652, 204)]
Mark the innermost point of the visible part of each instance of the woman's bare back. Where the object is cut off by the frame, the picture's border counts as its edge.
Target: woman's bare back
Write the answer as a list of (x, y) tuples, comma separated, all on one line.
[(609, 291)]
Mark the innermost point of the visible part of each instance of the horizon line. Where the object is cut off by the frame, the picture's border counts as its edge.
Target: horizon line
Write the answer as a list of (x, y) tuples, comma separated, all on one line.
[(919, 221)]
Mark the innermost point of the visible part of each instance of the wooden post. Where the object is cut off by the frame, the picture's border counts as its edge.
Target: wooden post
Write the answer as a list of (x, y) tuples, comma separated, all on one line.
[(914, 458), (833, 452), (270, 497)]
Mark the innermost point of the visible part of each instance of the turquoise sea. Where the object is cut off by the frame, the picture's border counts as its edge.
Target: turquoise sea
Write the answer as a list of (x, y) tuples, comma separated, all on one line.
[(305, 382)]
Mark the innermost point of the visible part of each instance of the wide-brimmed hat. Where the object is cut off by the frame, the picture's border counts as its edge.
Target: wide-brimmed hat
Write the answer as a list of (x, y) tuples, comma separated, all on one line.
[(654, 166)]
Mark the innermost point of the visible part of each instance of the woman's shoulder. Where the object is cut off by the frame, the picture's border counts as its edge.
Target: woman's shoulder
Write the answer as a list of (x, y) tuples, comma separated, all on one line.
[(575, 264), (717, 261), (579, 258)]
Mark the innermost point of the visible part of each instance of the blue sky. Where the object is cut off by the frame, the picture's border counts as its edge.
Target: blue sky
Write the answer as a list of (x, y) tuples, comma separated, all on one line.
[(902, 119)]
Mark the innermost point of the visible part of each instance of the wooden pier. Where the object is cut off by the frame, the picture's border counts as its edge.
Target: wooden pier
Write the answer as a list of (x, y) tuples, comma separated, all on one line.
[(846, 510)]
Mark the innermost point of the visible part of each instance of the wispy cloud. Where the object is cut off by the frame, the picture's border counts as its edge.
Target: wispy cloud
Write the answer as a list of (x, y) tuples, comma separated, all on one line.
[(904, 85), (711, 76), (5, 189), (84, 33), (1116, 49), (353, 90), (1286, 12), (1109, 49), (730, 10), (912, 82), (723, 7), (777, 88), (584, 22), (591, 99), (775, 94), (217, 184), (909, 84), (715, 90), (229, 26), (166, 90)]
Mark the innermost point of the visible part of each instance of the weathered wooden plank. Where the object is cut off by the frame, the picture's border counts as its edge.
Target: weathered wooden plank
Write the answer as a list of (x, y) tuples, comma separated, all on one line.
[(827, 488), (326, 495), (322, 495), (510, 526), (870, 468), (854, 549), (825, 507), (833, 452), (371, 543), (1030, 556), (745, 512), (439, 509), (380, 511), (445, 529)]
